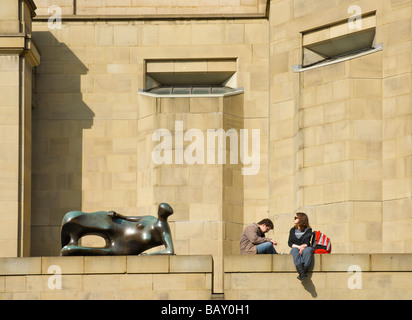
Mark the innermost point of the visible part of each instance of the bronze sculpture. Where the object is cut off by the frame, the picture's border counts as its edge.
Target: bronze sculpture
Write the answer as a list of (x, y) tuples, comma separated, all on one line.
[(123, 235)]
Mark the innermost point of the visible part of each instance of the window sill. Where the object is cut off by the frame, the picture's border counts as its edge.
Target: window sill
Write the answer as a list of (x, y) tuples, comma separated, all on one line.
[(300, 68), (227, 94)]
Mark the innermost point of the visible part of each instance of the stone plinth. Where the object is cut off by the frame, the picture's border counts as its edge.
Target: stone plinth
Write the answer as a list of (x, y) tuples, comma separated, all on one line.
[(108, 277), (334, 276), (253, 277)]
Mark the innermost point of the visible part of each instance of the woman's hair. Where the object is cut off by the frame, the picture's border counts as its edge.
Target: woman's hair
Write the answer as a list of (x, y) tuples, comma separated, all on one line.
[(303, 221)]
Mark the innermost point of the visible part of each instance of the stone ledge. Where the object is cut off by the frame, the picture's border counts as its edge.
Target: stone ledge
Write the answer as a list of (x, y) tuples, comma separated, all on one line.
[(149, 10), (108, 264), (125, 17), (323, 263), (191, 277), (201, 264)]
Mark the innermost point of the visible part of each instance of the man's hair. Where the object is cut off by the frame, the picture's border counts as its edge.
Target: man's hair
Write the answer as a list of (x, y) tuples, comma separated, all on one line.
[(266, 222)]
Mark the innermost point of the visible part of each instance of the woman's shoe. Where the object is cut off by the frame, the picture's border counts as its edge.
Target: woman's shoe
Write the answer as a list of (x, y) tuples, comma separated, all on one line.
[(302, 271)]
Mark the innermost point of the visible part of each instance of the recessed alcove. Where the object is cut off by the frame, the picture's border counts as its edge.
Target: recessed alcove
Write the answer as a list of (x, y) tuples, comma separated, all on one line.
[(195, 77), (338, 42)]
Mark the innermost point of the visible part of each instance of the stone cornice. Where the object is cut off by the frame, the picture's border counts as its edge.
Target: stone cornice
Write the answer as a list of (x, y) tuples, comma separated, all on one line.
[(32, 7), (223, 16), (22, 45), (186, 10)]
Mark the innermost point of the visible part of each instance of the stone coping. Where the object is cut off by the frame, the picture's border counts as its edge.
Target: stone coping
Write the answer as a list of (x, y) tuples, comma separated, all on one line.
[(152, 264), (154, 10), (121, 17), (376, 262), (107, 264)]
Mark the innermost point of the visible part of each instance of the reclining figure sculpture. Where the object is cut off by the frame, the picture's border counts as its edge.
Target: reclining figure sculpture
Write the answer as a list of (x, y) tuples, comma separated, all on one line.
[(123, 235)]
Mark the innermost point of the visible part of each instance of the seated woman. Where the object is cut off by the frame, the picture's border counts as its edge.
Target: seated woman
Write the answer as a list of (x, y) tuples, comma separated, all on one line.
[(299, 240)]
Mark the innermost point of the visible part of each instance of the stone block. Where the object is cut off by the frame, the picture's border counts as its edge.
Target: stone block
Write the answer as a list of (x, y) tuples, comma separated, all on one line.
[(313, 116), (342, 262), (367, 130), (208, 34), (150, 35), (248, 263), (82, 35), (314, 155), (37, 283), (68, 265), (105, 264), (283, 263), (148, 264), (15, 284), (235, 34), (9, 95), (168, 282), (135, 282), (367, 211), (229, 65), (125, 35), (395, 86), (197, 282), (59, 295), (204, 105), (22, 266), (190, 66), (189, 230), (191, 264), (369, 66), (118, 68), (366, 169), (391, 262), (324, 93), (174, 34), (334, 192), (104, 35), (101, 283)]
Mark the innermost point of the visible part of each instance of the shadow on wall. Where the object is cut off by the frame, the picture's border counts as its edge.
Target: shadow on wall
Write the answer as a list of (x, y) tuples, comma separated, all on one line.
[(59, 118), (307, 283)]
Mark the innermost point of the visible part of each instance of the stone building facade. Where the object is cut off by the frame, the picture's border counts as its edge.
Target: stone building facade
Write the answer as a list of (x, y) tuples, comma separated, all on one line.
[(325, 85)]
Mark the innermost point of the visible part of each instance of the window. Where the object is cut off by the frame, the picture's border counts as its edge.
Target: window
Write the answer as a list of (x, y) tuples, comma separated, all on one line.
[(338, 42), (211, 77)]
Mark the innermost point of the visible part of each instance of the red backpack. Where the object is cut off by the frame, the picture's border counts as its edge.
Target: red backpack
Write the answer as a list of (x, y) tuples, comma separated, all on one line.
[(321, 243)]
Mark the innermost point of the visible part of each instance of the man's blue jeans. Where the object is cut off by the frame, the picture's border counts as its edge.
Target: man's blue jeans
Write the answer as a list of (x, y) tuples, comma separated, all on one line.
[(266, 248)]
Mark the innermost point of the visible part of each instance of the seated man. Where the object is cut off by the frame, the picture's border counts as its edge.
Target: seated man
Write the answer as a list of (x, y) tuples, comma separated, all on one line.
[(253, 240)]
